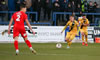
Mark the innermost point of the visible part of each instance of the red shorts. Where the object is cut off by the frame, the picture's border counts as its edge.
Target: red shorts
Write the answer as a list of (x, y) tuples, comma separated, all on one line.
[(17, 31)]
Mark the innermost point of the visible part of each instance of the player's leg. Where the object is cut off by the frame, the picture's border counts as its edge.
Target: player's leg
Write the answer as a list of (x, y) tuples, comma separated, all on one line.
[(15, 37), (83, 42), (71, 38), (67, 39), (86, 38), (69, 44), (16, 45), (82, 33), (29, 44), (24, 35)]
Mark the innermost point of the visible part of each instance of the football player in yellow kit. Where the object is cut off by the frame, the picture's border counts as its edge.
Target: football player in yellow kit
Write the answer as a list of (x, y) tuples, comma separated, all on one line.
[(73, 24), (84, 23)]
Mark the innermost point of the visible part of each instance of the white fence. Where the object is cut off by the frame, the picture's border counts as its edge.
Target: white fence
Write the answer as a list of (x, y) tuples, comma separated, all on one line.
[(44, 34)]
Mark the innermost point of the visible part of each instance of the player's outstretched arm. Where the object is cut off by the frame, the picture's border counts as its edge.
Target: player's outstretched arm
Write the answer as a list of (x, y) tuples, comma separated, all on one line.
[(27, 22), (64, 29), (10, 23)]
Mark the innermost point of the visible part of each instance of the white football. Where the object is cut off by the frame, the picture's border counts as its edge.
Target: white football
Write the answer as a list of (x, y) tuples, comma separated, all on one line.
[(58, 45)]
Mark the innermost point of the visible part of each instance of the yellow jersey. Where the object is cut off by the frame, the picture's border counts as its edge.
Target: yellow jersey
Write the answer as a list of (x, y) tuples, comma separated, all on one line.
[(83, 21), (72, 26)]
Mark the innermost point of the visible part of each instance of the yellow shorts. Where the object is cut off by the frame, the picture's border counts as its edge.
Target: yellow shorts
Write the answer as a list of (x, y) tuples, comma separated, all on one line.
[(70, 36), (84, 31)]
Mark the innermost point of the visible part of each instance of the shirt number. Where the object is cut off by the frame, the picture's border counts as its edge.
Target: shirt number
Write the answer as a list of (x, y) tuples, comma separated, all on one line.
[(18, 18)]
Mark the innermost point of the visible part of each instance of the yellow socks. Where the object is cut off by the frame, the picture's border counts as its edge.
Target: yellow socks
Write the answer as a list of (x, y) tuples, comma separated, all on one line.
[(82, 38), (69, 43), (86, 38)]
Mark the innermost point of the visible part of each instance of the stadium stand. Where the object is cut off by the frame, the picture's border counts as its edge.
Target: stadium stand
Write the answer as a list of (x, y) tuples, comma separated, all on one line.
[(57, 11)]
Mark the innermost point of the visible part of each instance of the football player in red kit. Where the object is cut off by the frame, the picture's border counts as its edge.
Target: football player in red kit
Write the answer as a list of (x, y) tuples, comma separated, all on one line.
[(19, 18)]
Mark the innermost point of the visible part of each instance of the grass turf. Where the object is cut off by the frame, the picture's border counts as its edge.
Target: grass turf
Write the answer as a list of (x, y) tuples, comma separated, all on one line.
[(48, 51)]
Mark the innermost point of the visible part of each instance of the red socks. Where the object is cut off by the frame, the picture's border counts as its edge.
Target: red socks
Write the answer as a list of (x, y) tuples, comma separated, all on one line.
[(16, 44), (28, 43)]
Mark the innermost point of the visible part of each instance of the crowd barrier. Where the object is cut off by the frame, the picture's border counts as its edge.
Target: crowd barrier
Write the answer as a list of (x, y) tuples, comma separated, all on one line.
[(54, 15)]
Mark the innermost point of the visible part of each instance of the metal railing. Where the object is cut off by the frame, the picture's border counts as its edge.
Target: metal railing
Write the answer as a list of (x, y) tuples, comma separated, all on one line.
[(11, 12), (53, 16), (28, 13), (69, 13)]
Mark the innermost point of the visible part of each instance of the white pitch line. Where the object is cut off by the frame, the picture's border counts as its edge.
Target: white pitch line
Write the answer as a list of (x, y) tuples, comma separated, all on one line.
[(42, 54), (54, 54), (39, 54)]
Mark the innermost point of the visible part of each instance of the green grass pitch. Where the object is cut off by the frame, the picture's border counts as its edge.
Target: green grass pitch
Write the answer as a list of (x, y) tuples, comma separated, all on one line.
[(48, 51)]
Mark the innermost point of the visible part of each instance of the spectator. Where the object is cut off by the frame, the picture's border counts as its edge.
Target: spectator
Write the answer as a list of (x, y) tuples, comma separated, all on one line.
[(97, 10), (28, 4), (47, 9), (78, 2), (84, 6), (69, 8), (63, 8), (97, 17), (95, 5), (56, 8), (90, 7), (0, 10), (64, 5), (37, 8), (90, 10), (3, 7), (73, 6), (0, 6), (70, 1), (78, 8), (17, 4)]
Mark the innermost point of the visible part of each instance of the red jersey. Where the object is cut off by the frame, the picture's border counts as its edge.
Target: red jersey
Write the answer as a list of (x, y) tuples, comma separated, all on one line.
[(19, 18)]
